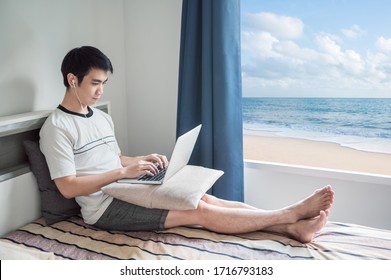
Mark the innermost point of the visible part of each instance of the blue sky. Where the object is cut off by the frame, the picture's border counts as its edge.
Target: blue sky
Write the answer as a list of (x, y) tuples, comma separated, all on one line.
[(316, 48)]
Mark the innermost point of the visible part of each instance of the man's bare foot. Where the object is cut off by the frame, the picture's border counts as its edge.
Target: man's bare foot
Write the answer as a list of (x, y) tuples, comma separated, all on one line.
[(321, 199), (304, 230)]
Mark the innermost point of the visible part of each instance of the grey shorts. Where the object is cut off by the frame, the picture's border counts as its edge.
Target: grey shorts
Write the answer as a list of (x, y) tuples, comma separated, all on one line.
[(125, 216)]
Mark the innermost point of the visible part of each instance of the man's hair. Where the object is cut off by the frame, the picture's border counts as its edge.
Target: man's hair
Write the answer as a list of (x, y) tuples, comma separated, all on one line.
[(79, 61)]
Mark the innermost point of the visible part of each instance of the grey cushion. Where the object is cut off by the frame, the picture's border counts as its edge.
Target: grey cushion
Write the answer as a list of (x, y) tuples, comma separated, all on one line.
[(54, 206)]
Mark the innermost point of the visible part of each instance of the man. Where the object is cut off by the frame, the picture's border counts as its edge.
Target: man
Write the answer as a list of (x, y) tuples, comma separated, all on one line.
[(83, 156)]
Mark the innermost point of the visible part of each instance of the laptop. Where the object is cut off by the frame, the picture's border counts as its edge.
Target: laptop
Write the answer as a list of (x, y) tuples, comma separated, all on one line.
[(180, 158)]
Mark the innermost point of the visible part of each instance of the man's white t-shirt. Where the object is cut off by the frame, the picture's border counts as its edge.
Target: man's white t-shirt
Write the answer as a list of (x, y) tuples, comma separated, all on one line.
[(77, 144)]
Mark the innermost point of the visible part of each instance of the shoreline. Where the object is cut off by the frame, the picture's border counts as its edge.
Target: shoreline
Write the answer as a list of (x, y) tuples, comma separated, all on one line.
[(269, 147)]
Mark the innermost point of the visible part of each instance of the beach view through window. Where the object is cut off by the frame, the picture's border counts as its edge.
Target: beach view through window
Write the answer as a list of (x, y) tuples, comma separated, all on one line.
[(317, 84)]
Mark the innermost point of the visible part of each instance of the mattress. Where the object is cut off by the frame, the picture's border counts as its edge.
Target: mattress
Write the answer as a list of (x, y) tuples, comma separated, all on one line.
[(73, 239)]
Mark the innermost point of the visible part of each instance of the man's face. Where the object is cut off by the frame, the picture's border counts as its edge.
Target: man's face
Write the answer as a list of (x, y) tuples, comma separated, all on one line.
[(91, 88)]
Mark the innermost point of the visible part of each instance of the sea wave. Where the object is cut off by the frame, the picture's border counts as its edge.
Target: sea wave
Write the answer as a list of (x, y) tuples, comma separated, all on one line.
[(362, 124)]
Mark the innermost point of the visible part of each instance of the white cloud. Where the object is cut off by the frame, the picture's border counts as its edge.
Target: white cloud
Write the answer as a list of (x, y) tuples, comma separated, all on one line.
[(259, 44), (331, 49), (383, 44), (353, 62), (353, 32), (294, 51), (283, 27), (379, 66), (276, 61), (349, 60)]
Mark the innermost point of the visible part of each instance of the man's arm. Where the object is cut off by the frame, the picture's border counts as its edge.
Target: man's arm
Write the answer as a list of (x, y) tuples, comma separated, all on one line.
[(72, 186)]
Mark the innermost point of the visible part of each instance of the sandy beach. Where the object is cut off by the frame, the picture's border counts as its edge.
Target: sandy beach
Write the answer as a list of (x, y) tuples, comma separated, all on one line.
[(319, 154)]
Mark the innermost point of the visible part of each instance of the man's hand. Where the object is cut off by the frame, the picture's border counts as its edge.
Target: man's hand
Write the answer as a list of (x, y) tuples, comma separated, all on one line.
[(160, 160), (143, 165)]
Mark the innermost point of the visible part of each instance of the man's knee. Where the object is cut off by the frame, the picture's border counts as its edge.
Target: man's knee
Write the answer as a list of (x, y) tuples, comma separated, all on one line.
[(188, 217), (202, 204), (206, 210), (208, 198)]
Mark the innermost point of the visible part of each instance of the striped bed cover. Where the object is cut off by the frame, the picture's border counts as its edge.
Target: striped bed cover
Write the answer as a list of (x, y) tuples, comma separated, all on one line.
[(73, 239)]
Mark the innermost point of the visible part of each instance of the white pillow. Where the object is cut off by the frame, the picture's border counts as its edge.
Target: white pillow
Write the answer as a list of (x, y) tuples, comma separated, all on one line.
[(183, 191)]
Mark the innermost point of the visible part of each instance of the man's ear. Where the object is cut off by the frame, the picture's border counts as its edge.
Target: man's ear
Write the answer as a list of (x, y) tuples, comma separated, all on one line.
[(72, 80)]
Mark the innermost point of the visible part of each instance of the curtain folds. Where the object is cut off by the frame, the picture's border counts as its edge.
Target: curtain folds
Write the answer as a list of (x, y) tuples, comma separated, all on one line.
[(210, 90)]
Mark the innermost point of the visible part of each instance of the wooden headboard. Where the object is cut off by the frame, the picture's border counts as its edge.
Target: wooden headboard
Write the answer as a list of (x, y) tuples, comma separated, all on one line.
[(16, 129)]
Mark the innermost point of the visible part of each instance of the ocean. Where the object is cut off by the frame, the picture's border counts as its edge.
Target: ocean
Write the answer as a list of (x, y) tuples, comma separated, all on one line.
[(359, 123)]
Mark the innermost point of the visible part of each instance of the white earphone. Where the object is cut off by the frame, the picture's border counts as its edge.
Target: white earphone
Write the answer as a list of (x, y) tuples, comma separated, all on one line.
[(77, 95)]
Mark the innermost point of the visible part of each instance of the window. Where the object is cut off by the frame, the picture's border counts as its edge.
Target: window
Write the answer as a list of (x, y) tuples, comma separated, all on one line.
[(317, 84)]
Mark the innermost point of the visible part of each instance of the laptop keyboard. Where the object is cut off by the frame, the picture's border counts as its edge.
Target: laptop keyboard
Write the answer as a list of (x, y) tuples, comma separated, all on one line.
[(156, 177)]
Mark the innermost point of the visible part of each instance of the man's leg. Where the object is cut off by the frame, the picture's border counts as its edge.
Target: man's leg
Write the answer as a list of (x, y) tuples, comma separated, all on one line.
[(218, 215), (321, 199), (210, 199), (302, 230)]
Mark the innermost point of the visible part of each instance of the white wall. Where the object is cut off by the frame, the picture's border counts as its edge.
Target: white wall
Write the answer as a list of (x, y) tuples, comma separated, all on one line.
[(359, 198), (35, 37), (140, 37), (152, 61)]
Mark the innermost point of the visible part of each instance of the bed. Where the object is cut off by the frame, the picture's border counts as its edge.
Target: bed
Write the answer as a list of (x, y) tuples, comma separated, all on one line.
[(27, 235), (72, 239)]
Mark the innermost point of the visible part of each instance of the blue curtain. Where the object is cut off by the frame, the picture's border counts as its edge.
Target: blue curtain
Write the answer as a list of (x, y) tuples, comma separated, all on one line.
[(210, 89)]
